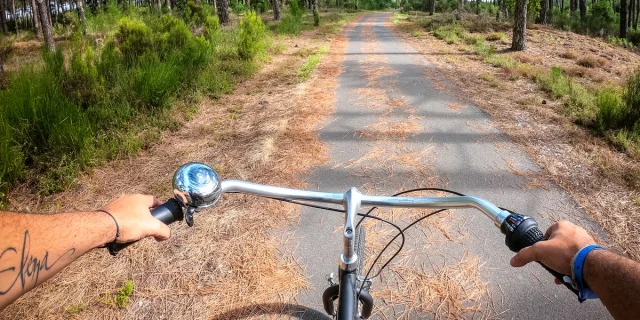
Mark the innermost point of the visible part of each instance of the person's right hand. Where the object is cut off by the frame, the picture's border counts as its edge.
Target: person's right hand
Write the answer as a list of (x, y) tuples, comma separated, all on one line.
[(135, 220), (564, 239)]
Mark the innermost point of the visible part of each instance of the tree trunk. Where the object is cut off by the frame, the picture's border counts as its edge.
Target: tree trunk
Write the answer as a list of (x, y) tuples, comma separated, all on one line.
[(635, 21), (503, 8), (518, 42), (544, 9), (169, 5), (498, 11), (46, 25), (223, 11), (48, 6), (276, 10), (623, 19), (459, 10), (13, 15), (583, 10), (54, 17), (316, 14), (550, 11), (630, 13), (36, 19), (432, 7), (83, 18), (478, 6), (3, 17)]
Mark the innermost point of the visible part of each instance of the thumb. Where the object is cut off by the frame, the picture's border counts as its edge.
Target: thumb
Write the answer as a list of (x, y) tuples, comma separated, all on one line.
[(527, 255), (161, 232)]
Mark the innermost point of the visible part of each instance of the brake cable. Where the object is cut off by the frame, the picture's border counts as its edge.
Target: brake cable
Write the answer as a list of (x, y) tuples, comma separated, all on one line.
[(368, 215)]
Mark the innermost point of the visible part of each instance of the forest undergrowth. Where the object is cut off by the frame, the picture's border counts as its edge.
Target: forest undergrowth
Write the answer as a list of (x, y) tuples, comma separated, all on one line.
[(262, 131), (114, 92)]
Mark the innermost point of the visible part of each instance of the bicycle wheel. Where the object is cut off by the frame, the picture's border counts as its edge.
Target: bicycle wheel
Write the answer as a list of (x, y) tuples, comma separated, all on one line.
[(359, 243)]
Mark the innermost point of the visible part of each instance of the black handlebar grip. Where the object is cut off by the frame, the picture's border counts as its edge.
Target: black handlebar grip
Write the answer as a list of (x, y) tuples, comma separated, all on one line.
[(168, 212), (522, 231)]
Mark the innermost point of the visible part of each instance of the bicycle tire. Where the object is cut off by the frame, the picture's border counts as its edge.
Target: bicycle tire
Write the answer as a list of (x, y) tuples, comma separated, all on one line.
[(359, 241)]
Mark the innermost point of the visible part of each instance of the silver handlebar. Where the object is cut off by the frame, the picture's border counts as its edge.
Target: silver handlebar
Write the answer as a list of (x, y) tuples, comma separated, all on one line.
[(198, 186), (492, 211)]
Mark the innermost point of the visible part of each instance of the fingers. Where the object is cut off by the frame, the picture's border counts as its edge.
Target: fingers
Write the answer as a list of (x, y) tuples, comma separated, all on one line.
[(554, 227), (148, 201), (162, 231), (529, 254), (156, 202), (557, 281)]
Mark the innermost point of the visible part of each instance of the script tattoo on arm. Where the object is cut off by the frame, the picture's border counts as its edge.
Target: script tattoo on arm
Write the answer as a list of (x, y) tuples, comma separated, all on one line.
[(29, 267)]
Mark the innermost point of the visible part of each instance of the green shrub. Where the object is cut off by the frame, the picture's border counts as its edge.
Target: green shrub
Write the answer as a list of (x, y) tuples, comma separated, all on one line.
[(291, 23), (262, 6), (238, 7), (501, 60), (633, 36), (610, 110), (154, 83), (473, 39), (495, 36), (72, 21), (134, 40), (451, 33), (601, 17), (251, 37), (81, 83), (631, 99), (51, 132), (11, 157), (211, 26), (122, 297), (69, 115), (170, 35), (484, 50), (561, 19), (105, 21), (194, 14), (557, 84)]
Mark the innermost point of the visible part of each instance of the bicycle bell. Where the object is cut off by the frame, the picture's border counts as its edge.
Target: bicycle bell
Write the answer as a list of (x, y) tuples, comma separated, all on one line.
[(197, 187)]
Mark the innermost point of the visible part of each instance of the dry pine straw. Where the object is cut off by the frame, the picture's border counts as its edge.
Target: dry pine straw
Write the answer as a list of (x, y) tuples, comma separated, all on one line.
[(228, 264), (452, 291), (584, 165)]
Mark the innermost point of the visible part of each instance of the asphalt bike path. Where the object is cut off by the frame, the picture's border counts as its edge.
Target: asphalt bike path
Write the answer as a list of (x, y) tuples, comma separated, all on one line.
[(399, 125)]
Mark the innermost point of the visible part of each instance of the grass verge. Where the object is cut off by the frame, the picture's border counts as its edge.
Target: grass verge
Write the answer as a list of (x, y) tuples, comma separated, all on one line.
[(305, 70)]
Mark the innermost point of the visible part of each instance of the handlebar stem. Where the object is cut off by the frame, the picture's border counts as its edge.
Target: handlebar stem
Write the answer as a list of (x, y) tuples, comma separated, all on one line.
[(352, 202)]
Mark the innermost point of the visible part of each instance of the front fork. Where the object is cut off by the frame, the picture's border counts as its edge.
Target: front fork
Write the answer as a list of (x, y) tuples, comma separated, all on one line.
[(347, 289)]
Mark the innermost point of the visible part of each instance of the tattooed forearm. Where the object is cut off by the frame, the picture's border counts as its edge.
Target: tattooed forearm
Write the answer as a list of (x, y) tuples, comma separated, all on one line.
[(26, 271)]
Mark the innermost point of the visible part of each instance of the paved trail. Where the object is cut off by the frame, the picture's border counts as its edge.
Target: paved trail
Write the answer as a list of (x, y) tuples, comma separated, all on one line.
[(398, 125)]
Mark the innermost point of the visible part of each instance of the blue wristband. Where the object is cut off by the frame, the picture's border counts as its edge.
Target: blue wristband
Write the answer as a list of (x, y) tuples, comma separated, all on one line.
[(578, 266)]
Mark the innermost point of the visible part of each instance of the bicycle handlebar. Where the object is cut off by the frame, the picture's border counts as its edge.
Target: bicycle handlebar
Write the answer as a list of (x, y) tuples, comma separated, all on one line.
[(197, 186), (492, 211)]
